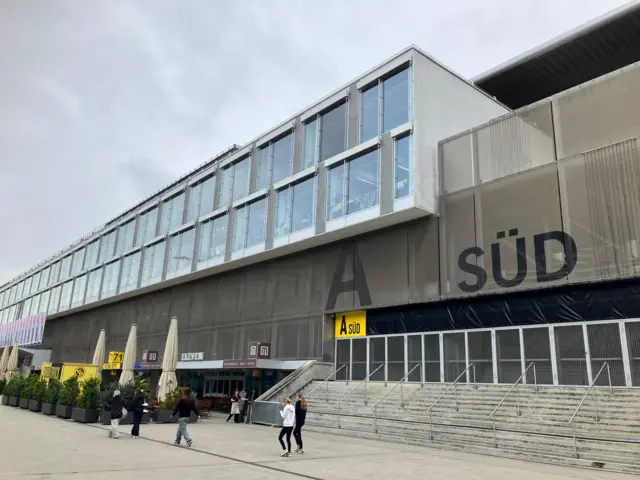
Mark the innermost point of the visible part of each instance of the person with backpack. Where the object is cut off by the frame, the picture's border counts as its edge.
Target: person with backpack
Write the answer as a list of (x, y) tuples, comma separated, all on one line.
[(301, 415), (184, 408)]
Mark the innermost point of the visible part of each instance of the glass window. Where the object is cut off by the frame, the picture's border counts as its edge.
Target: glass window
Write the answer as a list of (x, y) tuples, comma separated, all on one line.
[(282, 156), (240, 228), (110, 281), (91, 258), (12, 294), (404, 167), (310, 153), (44, 302), (395, 100), (303, 215), (78, 261), (337, 193), (153, 263), (226, 185), (213, 238), (12, 313), (35, 284), (54, 301), (369, 114), (264, 167), (44, 278), (55, 273), (257, 230), (363, 183), (79, 285), (35, 305), (147, 225), (65, 268), (181, 253), (126, 232), (130, 272), (27, 286), (65, 296), (241, 178), (333, 134), (94, 283), (107, 246), (282, 226), (172, 211), (26, 307), (201, 198)]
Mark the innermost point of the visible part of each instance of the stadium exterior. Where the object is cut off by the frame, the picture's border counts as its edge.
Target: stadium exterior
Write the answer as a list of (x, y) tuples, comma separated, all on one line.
[(407, 218)]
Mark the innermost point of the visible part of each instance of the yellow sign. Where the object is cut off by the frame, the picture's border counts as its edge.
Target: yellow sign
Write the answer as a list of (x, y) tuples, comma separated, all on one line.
[(111, 366), (49, 371), (351, 324), (63, 371), (116, 357)]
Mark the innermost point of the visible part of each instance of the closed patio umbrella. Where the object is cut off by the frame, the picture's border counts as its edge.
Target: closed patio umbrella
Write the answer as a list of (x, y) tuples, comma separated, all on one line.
[(98, 353), (168, 381), (4, 361), (129, 360), (12, 365)]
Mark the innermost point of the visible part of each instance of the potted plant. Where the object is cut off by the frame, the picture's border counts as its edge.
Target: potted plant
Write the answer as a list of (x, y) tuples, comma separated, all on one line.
[(38, 390), (128, 392), (12, 391), (5, 398), (88, 402), (68, 397), (50, 397), (22, 392), (167, 407)]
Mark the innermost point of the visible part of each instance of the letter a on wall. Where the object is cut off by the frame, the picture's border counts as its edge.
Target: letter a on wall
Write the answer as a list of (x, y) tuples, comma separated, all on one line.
[(339, 286)]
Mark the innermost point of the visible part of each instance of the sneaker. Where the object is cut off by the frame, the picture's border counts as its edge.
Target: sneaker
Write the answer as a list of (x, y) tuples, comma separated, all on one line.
[(300, 451), (176, 443), (285, 453), (189, 443)]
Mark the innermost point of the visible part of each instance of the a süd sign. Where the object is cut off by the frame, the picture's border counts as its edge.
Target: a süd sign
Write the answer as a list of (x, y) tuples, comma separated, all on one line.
[(542, 274), (352, 324)]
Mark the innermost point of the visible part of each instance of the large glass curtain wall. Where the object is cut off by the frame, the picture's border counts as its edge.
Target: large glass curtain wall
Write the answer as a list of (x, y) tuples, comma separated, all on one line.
[(172, 213), (126, 232), (180, 258), (354, 185), (213, 241), (295, 207), (250, 225), (147, 224), (201, 198), (563, 354), (275, 161), (153, 263), (130, 272)]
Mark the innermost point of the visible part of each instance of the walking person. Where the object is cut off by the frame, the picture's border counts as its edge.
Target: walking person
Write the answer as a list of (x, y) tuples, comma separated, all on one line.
[(242, 404), (184, 408), (288, 414), (235, 408), (137, 407), (116, 414), (301, 415)]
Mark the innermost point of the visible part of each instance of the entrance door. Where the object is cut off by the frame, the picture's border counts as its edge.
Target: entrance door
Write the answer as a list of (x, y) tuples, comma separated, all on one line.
[(571, 356)]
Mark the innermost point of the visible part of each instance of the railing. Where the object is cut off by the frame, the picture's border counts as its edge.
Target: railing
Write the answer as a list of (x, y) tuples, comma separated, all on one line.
[(515, 386), (453, 385), (365, 381), (595, 403), (335, 372), (266, 413)]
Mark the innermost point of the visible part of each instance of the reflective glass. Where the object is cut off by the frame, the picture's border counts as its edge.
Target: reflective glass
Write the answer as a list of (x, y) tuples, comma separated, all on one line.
[(65, 268), (264, 167), (55, 273), (213, 238), (12, 294), (282, 156), (310, 154), (78, 261), (282, 225), (107, 246), (35, 284), (91, 258), (153, 263), (303, 205), (257, 230), (193, 209), (35, 305), (65, 296), (241, 178), (27, 286), (147, 225), (240, 228), (404, 167), (337, 197), (130, 272), (43, 307), (79, 285), (26, 307), (208, 196), (333, 136), (172, 211), (226, 185), (369, 114), (181, 252), (110, 281), (94, 283), (363, 182), (54, 301), (125, 236), (395, 100)]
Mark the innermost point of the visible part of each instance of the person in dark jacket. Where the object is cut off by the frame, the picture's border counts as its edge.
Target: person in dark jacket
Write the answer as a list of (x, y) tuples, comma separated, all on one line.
[(184, 408), (136, 406), (301, 415), (116, 415)]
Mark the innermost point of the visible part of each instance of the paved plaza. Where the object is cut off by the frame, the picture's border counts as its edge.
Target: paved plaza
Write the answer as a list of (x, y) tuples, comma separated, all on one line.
[(34, 446)]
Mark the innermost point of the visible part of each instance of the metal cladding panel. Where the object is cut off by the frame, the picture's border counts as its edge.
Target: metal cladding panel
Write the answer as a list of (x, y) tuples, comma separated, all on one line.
[(332, 278), (161, 308), (257, 294), (145, 315), (228, 306), (200, 341), (292, 287), (203, 303), (422, 259), (225, 346), (180, 306), (254, 333)]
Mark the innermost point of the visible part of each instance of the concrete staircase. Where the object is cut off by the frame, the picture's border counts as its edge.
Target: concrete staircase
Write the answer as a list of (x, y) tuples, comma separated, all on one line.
[(540, 433)]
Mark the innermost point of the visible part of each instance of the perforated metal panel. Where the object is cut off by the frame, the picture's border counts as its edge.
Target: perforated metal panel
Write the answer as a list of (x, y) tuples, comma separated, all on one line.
[(572, 363), (481, 356), (359, 359), (377, 357), (343, 358), (432, 358), (537, 348), (454, 356), (509, 355), (633, 345), (395, 360), (605, 346), (414, 357)]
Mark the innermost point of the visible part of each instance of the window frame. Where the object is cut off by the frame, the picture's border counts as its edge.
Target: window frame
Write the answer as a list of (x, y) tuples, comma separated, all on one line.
[(407, 136)]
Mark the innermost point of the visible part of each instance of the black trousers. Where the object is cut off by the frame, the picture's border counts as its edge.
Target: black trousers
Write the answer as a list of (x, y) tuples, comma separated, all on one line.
[(137, 419), (286, 431), (297, 434)]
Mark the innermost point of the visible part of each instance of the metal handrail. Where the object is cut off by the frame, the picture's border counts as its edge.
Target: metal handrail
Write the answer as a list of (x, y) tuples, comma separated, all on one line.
[(514, 386), (400, 382), (365, 381), (453, 385), (333, 374), (595, 403)]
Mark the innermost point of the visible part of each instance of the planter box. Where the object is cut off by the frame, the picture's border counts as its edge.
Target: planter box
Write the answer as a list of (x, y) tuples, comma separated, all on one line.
[(24, 403), (35, 405), (164, 416), (105, 418), (64, 411), (13, 401), (49, 408), (85, 415), (5, 400)]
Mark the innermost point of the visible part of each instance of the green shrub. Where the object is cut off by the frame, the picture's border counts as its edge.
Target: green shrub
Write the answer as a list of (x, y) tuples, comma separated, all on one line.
[(11, 388), (30, 389), (89, 398), (3, 384), (52, 392), (21, 384), (39, 389), (172, 399), (128, 390), (69, 392)]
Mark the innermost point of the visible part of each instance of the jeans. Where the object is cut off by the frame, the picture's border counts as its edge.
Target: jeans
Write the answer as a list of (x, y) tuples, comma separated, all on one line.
[(182, 430), (137, 419), (286, 431), (114, 430)]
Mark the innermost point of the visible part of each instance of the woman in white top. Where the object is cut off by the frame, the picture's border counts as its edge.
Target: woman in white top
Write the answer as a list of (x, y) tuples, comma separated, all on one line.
[(288, 414)]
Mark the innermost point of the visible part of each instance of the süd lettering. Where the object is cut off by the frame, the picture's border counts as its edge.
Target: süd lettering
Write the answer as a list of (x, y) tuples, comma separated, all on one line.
[(352, 328)]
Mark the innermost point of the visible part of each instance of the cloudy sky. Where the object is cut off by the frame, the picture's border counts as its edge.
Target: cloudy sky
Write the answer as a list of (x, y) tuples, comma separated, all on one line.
[(103, 102)]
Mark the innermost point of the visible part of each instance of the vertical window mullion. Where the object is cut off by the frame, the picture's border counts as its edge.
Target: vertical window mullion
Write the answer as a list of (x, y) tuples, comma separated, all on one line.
[(290, 219)]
